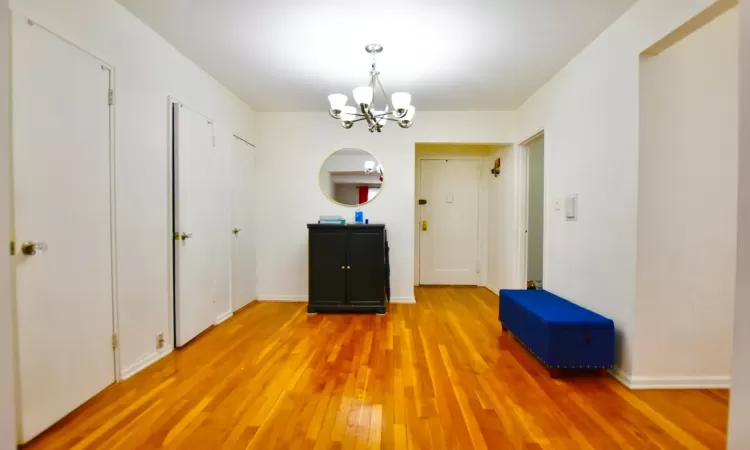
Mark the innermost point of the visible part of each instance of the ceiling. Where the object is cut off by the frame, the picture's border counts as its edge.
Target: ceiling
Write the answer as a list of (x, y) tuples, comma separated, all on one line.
[(288, 55)]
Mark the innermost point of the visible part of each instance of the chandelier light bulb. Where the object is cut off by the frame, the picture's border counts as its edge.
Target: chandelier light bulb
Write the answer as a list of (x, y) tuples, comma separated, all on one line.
[(410, 114), (363, 95), (401, 102), (337, 101), (347, 114)]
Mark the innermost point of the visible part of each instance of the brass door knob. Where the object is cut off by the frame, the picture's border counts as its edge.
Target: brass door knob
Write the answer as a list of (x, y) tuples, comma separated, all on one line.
[(29, 248)]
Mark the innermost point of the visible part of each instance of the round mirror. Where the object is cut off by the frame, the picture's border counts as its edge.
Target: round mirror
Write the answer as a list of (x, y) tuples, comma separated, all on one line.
[(351, 177)]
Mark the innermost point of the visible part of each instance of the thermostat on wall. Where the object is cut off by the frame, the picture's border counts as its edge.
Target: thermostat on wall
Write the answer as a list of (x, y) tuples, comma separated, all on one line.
[(571, 207)]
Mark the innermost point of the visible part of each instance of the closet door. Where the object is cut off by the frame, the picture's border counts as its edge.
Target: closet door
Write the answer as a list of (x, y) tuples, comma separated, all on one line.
[(327, 267), (63, 226), (196, 194), (365, 275), (243, 232)]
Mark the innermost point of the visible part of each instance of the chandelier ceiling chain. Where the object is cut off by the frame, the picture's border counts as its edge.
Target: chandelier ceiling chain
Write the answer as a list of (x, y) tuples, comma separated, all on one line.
[(400, 110)]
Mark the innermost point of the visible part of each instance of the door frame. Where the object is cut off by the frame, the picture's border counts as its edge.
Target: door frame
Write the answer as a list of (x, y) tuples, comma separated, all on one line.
[(105, 65), (418, 214), (522, 209)]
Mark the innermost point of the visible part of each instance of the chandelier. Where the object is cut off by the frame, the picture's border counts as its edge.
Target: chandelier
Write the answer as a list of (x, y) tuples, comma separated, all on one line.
[(400, 110)]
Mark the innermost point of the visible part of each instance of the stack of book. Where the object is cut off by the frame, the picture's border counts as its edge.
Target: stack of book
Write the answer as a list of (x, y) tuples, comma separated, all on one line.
[(332, 220)]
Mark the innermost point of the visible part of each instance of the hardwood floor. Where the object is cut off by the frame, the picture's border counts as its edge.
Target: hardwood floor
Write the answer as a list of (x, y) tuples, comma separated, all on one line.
[(439, 374)]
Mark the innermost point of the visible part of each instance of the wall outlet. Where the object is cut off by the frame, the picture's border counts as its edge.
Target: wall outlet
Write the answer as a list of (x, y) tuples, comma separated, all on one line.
[(160, 341)]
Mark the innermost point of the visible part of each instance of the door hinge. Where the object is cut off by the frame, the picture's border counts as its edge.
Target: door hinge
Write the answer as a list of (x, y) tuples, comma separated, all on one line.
[(12, 248), (111, 97), (115, 341), (176, 236)]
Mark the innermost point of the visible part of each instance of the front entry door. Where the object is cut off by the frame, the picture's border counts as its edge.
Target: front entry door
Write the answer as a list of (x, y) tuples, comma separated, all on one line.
[(62, 189), (448, 250)]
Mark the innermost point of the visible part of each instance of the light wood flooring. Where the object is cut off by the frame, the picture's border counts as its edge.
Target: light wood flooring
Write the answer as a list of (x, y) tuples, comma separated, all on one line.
[(438, 374)]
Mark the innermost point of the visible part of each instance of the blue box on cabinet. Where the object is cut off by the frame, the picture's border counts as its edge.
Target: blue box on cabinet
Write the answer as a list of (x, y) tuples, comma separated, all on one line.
[(561, 334)]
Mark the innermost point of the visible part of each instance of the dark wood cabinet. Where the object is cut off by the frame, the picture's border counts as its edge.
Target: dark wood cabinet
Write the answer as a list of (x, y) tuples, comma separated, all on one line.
[(347, 268)]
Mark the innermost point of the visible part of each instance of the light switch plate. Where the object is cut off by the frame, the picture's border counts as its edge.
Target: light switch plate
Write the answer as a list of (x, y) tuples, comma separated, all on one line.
[(571, 207)]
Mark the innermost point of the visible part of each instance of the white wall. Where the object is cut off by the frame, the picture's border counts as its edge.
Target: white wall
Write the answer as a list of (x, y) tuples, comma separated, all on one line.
[(536, 205), (7, 393), (687, 207), (739, 411), (589, 112), (147, 70), (502, 232), (298, 143)]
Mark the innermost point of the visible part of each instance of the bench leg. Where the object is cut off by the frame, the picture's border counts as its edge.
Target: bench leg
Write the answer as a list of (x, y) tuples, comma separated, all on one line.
[(554, 373)]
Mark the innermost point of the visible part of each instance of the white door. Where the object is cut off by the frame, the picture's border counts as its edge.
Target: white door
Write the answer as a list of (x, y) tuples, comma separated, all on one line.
[(448, 246), (243, 241), (196, 196), (62, 189)]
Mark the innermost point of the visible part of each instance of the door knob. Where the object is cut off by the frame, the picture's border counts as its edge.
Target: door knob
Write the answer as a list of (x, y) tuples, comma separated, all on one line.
[(184, 236), (424, 225), (29, 248), (236, 231)]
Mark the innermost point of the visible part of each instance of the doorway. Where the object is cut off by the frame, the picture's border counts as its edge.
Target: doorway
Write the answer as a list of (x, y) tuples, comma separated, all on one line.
[(535, 213), (64, 227), (449, 221)]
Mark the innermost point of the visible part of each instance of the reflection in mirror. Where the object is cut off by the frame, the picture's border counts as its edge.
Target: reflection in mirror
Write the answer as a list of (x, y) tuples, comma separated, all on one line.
[(351, 177)]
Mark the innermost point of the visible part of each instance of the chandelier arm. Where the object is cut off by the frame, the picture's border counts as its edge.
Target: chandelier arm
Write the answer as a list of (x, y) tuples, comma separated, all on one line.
[(385, 95), (367, 115)]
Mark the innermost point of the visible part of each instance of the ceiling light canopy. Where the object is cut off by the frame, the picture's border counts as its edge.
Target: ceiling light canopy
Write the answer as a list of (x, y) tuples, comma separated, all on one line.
[(400, 110)]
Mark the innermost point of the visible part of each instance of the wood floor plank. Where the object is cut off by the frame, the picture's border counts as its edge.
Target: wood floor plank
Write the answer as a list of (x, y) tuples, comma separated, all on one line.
[(440, 374)]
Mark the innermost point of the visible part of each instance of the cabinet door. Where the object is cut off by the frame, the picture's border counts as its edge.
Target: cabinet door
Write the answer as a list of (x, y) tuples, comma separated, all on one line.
[(327, 267), (365, 278)]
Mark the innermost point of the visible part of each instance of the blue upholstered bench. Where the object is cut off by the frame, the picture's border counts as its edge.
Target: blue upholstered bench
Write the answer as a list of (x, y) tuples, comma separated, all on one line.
[(561, 334)]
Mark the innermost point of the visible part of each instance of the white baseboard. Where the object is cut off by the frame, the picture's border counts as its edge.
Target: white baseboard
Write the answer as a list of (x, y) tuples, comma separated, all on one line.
[(282, 298), (645, 382), (223, 317), (404, 300), (492, 289), (144, 362)]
